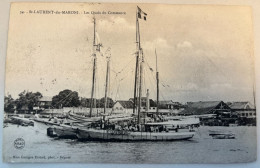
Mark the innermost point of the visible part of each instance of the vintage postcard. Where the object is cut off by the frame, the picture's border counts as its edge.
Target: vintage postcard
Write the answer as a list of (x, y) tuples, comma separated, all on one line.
[(129, 83)]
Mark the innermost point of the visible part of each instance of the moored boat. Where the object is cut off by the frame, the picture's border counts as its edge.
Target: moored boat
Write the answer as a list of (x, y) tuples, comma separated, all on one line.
[(21, 121), (123, 135), (124, 129), (44, 121), (224, 136), (221, 135), (65, 131)]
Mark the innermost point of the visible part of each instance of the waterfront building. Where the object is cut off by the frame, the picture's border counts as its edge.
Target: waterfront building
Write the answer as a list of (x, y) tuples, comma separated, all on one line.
[(246, 111), (206, 107), (45, 102), (169, 104), (123, 106), (219, 113)]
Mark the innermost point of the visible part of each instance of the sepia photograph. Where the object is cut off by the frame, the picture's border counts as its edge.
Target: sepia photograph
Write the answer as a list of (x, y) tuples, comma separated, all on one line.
[(129, 83)]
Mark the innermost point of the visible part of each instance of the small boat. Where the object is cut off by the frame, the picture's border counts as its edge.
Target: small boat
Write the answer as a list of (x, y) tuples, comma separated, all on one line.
[(44, 121), (21, 121), (224, 136), (221, 135)]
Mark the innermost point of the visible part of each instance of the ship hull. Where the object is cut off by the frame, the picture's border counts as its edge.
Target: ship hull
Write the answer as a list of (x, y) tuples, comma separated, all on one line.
[(65, 132), (83, 135), (21, 121), (111, 135)]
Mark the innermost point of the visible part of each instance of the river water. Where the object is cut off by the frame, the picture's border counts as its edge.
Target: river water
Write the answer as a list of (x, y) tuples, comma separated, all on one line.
[(200, 149)]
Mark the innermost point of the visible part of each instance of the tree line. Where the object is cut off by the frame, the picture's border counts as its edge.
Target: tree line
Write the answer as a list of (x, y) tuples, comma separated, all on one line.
[(67, 98)]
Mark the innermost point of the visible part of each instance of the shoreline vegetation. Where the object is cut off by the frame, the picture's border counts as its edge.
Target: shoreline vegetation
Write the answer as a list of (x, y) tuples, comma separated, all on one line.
[(212, 113)]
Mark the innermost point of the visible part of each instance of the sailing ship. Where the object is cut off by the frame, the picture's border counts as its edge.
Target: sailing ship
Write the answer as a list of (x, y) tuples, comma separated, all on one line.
[(131, 129)]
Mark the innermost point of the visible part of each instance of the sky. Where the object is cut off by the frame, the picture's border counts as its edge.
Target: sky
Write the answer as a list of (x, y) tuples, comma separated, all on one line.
[(204, 52)]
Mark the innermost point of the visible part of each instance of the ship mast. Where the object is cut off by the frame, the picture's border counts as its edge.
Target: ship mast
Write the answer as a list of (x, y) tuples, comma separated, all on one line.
[(107, 76), (137, 61), (139, 65), (140, 88), (138, 71), (94, 69), (157, 81)]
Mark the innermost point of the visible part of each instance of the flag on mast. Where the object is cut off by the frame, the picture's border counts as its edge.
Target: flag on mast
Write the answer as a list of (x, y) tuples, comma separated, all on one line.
[(141, 14)]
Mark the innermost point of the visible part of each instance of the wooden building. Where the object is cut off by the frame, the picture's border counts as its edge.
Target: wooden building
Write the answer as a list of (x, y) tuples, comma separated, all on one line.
[(45, 102), (246, 111), (169, 104), (220, 114), (123, 106), (206, 107)]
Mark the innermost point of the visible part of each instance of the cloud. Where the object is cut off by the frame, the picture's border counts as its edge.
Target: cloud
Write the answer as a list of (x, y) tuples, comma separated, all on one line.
[(184, 45), (119, 24), (156, 43)]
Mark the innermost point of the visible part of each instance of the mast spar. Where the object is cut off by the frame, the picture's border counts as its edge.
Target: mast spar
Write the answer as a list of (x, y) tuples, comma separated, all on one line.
[(140, 88), (157, 81), (137, 62), (107, 76), (94, 69)]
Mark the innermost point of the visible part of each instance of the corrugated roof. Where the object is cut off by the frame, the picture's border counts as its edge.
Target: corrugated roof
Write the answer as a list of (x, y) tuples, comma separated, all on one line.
[(203, 104), (203, 107), (240, 105), (126, 103)]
